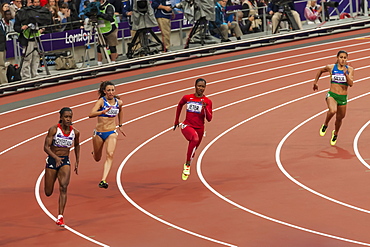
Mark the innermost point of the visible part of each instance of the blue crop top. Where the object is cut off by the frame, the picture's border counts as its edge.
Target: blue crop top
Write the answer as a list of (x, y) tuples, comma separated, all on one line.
[(113, 111), (337, 76)]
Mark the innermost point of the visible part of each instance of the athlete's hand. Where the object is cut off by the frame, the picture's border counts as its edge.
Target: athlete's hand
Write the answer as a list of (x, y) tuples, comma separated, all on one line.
[(175, 125), (106, 110), (315, 87), (58, 161), (120, 130), (76, 168)]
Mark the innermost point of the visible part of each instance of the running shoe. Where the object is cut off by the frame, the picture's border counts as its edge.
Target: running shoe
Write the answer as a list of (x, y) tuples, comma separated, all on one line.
[(323, 130), (60, 222), (333, 139), (186, 172), (103, 184)]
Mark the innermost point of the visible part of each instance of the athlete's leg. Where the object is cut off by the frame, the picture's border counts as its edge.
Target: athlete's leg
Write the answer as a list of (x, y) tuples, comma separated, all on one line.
[(192, 136), (332, 105), (200, 133), (64, 174), (98, 144), (341, 113), (50, 177), (111, 142)]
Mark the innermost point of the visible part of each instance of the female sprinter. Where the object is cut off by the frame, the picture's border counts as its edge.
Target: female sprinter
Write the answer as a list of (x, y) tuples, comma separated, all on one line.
[(198, 107), (106, 109), (57, 145), (341, 76)]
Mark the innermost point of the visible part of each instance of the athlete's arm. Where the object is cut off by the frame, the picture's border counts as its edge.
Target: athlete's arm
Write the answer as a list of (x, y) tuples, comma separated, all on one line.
[(178, 112), (48, 142), (208, 111), (95, 110), (77, 149), (319, 73), (349, 75), (120, 117)]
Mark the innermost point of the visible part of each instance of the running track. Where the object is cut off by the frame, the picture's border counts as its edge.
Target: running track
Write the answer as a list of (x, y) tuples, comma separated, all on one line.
[(262, 176)]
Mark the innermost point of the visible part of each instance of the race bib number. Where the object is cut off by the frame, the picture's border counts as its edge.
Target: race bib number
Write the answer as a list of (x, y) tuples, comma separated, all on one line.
[(194, 107), (339, 78), (113, 111)]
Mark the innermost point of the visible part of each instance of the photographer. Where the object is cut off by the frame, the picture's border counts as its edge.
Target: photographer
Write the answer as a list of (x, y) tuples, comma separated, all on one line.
[(3, 78), (107, 23), (27, 20), (277, 10)]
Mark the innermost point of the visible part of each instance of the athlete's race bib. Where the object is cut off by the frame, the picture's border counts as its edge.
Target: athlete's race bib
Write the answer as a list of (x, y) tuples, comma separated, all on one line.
[(193, 106), (112, 112), (339, 78)]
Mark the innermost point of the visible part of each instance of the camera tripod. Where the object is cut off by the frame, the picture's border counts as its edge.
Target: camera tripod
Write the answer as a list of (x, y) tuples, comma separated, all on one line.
[(289, 17), (141, 37), (38, 48), (200, 27), (94, 29)]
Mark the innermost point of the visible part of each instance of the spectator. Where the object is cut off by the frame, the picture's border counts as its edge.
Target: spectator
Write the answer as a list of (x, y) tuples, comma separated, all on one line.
[(312, 12), (245, 26), (17, 5), (222, 26), (163, 14), (7, 22), (109, 28), (28, 40), (3, 78), (277, 11), (63, 13), (4, 7), (52, 3), (250, 8)]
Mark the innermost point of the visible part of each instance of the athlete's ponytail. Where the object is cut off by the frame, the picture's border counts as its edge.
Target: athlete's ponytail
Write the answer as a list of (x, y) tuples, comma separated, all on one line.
[(102, 87)]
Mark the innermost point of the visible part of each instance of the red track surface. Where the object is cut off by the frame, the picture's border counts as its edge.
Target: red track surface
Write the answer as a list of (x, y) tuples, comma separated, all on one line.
[(263, 189)]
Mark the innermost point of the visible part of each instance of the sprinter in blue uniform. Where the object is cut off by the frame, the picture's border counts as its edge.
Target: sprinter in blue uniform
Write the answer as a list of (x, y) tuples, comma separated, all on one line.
[(106, 109)]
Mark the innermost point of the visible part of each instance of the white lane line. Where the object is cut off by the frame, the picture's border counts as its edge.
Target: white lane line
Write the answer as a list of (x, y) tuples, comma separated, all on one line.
[(199, 171), (355, 145), (183, 79)]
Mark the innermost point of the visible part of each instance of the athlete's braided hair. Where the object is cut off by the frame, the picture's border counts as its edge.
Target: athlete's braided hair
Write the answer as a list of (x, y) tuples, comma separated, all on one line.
[(102, 87), (64, 109), (199, 80)]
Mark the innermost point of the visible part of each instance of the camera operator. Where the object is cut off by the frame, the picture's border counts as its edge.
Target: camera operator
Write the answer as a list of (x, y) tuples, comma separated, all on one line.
[(3, 78), (28, 33), (163, 14), (222, 25), (108, 26), (277, 10)]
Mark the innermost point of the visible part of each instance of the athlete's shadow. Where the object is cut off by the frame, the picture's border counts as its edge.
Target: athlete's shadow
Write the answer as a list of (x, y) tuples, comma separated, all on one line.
[(339, 153)]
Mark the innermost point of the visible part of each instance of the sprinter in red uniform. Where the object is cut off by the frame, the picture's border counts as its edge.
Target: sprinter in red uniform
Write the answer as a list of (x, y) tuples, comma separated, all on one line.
[(198, 107)]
